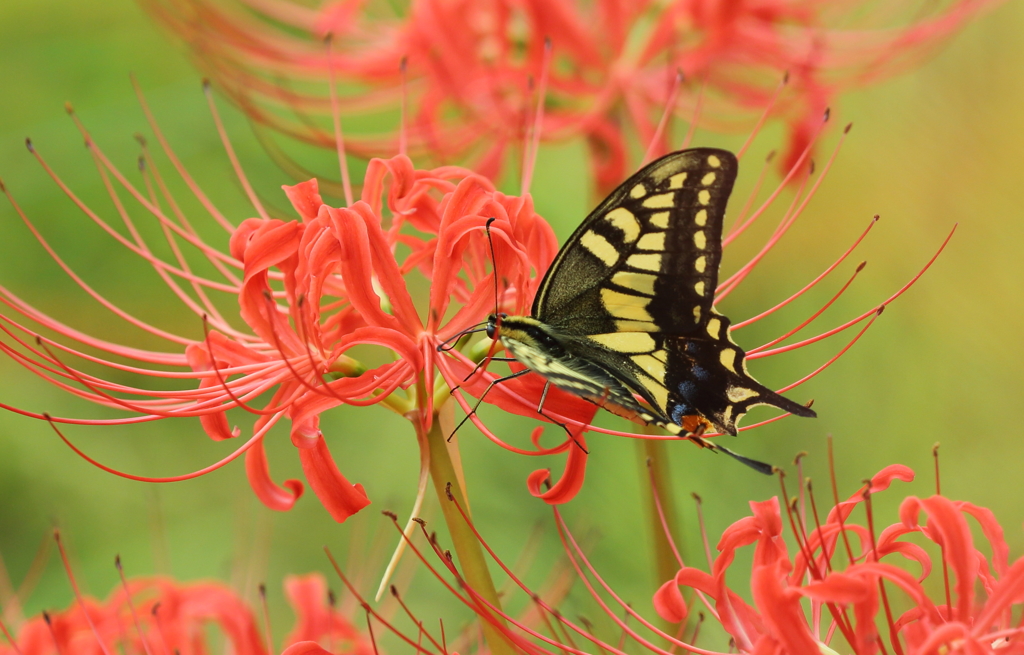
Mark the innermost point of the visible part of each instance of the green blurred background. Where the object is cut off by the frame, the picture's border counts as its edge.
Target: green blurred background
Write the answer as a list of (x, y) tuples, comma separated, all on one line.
[(936, 147)]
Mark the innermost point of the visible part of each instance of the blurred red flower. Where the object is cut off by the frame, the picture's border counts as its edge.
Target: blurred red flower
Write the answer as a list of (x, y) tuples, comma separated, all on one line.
[(612, 71), (159, 616)]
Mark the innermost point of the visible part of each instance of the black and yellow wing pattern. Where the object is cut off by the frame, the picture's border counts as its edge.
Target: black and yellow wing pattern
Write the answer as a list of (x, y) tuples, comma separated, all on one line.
[(627, 307)]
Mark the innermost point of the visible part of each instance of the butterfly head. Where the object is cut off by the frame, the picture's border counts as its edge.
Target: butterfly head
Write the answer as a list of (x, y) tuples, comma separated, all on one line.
[(493, 322)]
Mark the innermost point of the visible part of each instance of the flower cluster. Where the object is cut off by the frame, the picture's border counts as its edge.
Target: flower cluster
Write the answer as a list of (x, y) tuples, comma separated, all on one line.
[(159, 616), (476, 70), (308, 290), (845, 583), (855, 597)]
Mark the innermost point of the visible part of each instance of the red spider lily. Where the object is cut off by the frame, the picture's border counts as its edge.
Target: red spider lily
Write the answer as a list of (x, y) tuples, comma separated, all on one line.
[(843, 577), (471, 66), (853, 594), (308, 290), (160, 616)]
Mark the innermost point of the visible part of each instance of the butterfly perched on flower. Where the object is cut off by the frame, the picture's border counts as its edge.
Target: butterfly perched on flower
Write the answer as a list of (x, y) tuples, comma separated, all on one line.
[(626, 310)]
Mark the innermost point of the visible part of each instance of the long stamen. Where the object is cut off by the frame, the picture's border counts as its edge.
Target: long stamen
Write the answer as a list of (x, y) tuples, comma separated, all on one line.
[(229, 149), (797, 533), (78, 593), (738, 277), (176, 162), (339, 137), (131, 606), (839, 616), (666, 114), (835, 499), (352, 589), (799, 462), (661, 514), (742, 223), (176, 478), (764, 115), (422, 631), (699, 502), (697, 109), (813, 282), (825, 554), (797, 167), (835, 357), (403, 137), (866, 314), (53, 635), (893, 635), (533, 143), (10, 639)]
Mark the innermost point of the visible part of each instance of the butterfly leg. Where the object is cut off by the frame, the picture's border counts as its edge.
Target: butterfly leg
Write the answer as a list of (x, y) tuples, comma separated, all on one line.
[(540, 410), (477, 368), (484, 395)]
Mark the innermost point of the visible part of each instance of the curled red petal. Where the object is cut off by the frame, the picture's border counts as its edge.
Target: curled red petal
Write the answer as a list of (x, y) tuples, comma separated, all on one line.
[(571, 481), (270, 494), (669, 603), (305, 198), (216, 424), (340, 497)]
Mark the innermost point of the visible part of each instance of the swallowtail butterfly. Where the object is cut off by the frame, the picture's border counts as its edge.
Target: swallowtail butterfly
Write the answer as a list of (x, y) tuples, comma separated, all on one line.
[(627, 308)]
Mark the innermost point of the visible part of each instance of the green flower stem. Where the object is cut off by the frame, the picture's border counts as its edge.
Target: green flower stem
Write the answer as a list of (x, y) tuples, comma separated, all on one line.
[(467, 547), (656, 477)]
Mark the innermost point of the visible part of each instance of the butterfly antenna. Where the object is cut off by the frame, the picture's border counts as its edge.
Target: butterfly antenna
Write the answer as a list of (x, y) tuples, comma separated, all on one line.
[(494, 264), (449, 343)]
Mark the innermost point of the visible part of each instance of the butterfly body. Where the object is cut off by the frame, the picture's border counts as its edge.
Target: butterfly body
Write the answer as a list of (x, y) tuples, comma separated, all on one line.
[(626, 310)]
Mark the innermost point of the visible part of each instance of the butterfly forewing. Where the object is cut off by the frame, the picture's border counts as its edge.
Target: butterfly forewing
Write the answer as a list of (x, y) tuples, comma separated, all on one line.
[(656, 238), (632, 291)]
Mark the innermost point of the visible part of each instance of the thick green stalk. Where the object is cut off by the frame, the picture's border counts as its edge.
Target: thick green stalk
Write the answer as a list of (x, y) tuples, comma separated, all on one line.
[(467, 547), (656, 478)]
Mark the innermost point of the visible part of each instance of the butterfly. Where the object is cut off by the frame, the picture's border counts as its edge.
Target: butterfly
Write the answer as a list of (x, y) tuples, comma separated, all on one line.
[(626, 309)]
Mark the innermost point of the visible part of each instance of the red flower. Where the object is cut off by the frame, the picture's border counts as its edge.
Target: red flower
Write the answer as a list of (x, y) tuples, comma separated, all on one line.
[(471, 66), (159, 616), (840, 578), (308, 290), (855, 593)]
